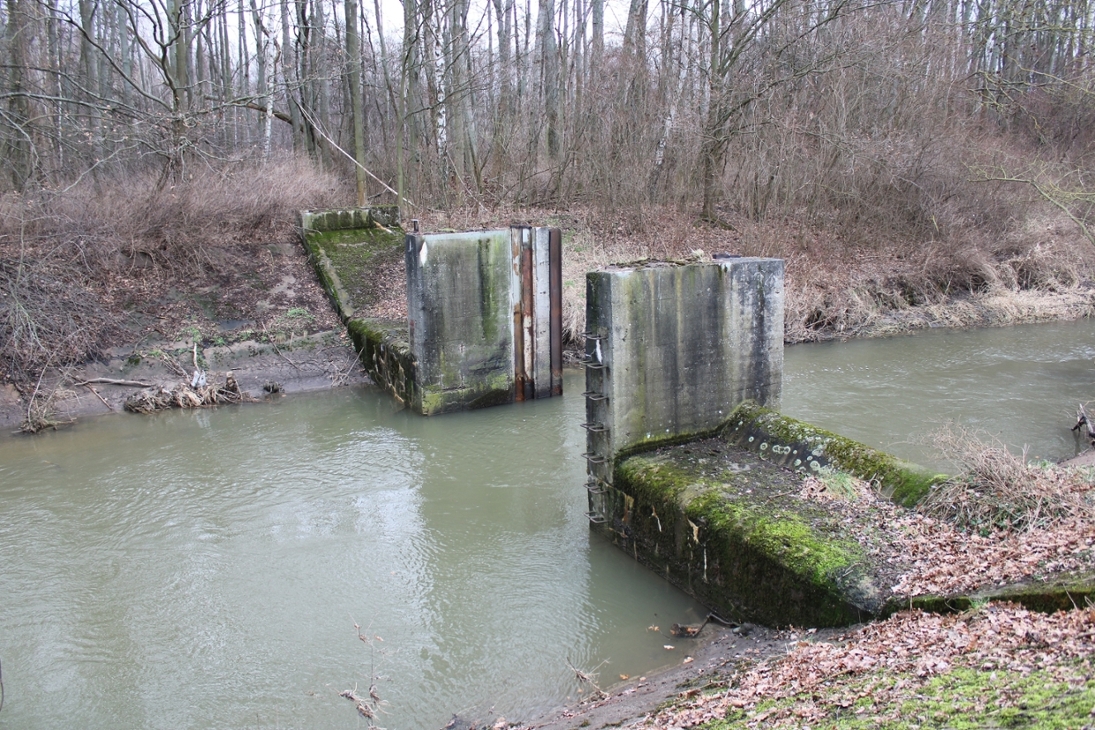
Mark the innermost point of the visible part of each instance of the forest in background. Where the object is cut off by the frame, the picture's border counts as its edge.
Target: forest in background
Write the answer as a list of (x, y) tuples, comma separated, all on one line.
[(896, 153), (909, 113)]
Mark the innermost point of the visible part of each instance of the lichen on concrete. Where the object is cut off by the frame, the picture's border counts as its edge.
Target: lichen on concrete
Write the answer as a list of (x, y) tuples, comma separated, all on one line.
[(461, 323)]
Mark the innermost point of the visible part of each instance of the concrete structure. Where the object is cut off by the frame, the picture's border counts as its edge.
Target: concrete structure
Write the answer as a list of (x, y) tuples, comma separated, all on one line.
[(672, 349), (345, 247), (484, 308), (485, 317)]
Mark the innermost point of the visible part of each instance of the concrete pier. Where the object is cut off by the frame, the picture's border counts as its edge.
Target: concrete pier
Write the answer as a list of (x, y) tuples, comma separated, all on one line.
[(484, 312), (672, 349)]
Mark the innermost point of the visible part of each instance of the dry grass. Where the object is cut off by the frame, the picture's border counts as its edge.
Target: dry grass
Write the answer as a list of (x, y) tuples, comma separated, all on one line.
[(996, 489), (837, 285), (79, 264)]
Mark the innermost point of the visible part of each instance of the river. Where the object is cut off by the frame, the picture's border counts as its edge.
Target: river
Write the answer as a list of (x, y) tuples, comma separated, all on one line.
[(207, 568)]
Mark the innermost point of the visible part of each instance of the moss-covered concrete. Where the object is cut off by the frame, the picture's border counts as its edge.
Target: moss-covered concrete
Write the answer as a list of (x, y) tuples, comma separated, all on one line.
[(346, 247), (1058, 594), (801, 446), (386, 355), (729, 528)]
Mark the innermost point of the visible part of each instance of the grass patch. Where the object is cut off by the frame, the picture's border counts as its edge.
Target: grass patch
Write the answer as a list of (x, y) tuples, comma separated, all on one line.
[(961, 699)]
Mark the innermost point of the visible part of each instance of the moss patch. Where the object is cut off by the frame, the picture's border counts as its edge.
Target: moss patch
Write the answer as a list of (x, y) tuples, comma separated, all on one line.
[(962, 699), (348, 259), (730, 528), (1062, 594), (804, 447)]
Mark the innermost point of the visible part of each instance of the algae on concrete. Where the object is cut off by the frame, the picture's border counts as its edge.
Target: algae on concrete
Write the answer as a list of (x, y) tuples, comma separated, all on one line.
[(461, 320), (347, 247), (730, 529)]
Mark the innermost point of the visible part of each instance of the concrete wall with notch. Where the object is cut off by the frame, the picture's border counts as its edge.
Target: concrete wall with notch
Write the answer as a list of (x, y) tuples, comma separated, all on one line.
[(481, 308), (671, 350)]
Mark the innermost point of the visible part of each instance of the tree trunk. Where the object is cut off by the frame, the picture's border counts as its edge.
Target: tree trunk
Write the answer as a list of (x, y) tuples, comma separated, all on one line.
[(357, 108)]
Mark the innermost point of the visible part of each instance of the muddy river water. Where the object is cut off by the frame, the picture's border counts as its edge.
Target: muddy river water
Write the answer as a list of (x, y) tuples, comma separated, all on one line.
[(207, 569)]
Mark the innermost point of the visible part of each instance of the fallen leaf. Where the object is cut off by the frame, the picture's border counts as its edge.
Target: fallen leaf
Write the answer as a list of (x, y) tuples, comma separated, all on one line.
[(625, 677)]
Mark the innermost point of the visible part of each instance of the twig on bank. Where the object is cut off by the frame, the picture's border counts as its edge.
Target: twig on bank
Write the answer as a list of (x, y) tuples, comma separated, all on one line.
[(96, 394), (589, 678), (112, 381), (342, 376), (174, 366)]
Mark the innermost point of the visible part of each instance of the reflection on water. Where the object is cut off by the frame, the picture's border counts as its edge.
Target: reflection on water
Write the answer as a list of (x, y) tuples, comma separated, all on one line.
[(1019, 384), (206, 569)]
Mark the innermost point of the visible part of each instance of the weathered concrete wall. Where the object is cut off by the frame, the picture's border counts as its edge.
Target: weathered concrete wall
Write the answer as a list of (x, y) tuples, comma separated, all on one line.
[(484, 309), (673, 349), (461, 321), (345, 246), (349, 218), (484, 317), (386, 356), (730, 529)]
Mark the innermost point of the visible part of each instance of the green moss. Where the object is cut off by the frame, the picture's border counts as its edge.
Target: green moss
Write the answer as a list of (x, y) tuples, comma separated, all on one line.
[(962, 699), (806, 447), (346, 260), (1059, 595), (781, 535), (719, 522), (386, 356)]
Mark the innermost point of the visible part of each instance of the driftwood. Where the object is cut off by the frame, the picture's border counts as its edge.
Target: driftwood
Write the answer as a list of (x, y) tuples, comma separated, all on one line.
[(692, 631), (151, 400), (1083, 421)]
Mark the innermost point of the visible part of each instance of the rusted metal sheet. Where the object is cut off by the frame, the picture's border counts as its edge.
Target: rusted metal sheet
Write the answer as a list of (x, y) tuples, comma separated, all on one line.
[(555, 296), (518, 236), (541, 355)]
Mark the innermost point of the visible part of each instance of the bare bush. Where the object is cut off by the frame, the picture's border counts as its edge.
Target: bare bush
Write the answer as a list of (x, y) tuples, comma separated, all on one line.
[(71, 260), (996, 489)]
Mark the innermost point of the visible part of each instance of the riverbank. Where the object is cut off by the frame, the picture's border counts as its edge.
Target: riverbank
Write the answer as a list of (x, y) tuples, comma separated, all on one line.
[(995, 666), (149, 287)]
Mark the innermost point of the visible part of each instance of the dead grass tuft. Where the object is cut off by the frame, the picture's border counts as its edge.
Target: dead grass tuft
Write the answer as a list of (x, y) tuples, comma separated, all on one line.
[(996, 489)]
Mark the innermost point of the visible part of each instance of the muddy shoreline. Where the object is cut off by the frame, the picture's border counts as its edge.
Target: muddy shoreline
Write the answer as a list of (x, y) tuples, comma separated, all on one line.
[(717, 653), (316, 362)]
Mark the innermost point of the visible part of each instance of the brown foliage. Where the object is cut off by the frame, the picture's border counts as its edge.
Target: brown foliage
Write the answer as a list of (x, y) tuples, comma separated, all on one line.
[(72, 260)]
